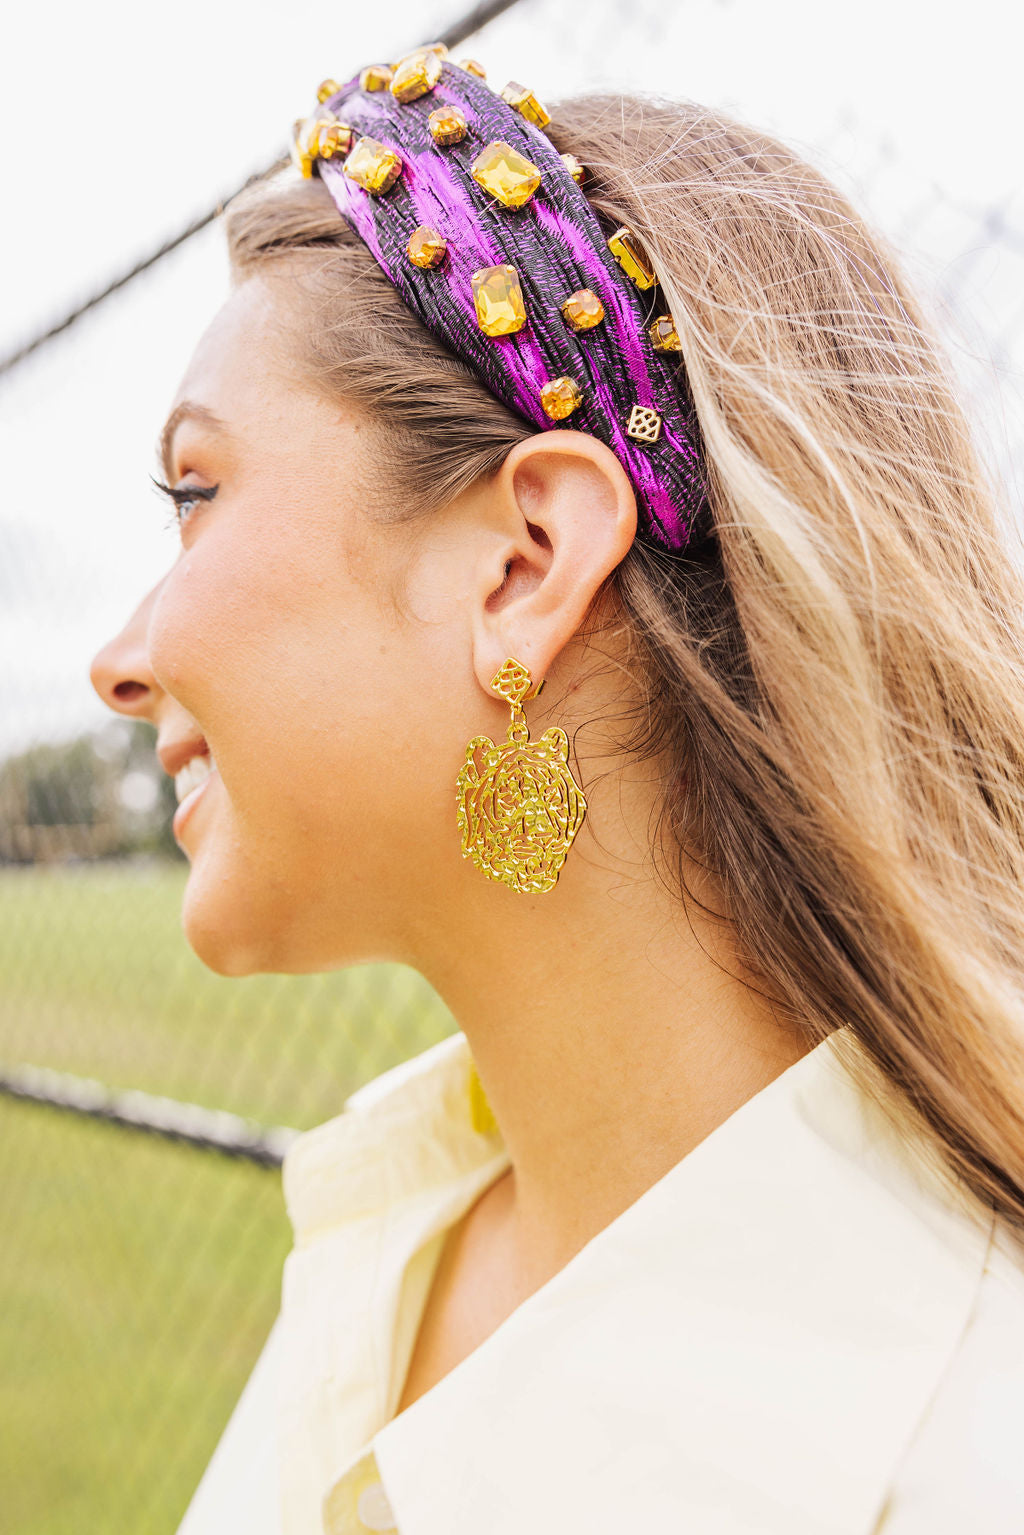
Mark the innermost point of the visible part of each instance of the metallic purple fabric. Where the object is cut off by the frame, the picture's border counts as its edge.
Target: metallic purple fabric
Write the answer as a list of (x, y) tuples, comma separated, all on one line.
[(557, 245)]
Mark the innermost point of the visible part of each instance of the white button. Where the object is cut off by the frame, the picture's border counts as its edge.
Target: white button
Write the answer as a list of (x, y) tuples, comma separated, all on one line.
[(374, 1510)]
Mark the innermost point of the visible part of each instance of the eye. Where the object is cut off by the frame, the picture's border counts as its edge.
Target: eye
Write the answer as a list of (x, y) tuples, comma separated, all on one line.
[(184, 496)]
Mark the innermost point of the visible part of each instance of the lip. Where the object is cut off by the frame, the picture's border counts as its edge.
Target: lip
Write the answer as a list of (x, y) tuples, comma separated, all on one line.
[(189, 803)]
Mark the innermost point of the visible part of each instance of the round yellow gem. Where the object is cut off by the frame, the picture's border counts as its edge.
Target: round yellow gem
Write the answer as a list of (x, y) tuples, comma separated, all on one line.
[(505, 174), (373, 166), (583, 310), (447, 125), (415, 76), (498, 296), (426, 247), (560, 397), (375, 77), (664, 334), (327, 88), (473, 68), (576, 168)]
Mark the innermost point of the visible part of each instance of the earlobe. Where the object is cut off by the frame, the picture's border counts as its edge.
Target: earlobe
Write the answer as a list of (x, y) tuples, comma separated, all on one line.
[(567, 512)]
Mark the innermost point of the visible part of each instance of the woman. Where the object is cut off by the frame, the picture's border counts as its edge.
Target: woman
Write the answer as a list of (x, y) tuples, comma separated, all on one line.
[(709, 1217)]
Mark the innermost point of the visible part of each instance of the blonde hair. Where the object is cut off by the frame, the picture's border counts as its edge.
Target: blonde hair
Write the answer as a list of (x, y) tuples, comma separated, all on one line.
[(834, 671)]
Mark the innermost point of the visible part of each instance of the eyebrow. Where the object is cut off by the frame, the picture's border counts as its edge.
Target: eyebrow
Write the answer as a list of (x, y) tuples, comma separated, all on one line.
[(188, 410)]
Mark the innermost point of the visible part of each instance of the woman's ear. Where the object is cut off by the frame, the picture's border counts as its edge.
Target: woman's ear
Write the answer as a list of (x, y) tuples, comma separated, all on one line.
[(564, 515)]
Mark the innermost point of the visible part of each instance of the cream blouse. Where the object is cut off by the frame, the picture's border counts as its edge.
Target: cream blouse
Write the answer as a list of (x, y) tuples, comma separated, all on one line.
[(801, 1329)]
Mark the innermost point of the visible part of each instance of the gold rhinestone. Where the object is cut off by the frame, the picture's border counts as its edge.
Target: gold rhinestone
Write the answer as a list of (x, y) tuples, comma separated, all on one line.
[(306, 139), (375, 77), (583, 310), (415, 76), (498, 297), (441, 49), (576, 168), (373, 166), (644, 425), (505, 174), (327, 88), (560, 397), (334, 139), (473, 68), (526, 103), (664, 334), (447, 125), (426, 247), (632, 257)]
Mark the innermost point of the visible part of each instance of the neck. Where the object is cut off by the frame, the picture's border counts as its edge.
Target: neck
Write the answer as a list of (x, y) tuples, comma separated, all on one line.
[(607, 1022)]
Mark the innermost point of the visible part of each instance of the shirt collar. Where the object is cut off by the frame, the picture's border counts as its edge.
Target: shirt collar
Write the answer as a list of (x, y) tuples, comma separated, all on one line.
[(748, 1347)]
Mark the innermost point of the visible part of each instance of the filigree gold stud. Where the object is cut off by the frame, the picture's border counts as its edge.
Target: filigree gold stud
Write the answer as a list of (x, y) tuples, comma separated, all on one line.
[(644, 424), (632, 257), (526, 103), (518, 805)]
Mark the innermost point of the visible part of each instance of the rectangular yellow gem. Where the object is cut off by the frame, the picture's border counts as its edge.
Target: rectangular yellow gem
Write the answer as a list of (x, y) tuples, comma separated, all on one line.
[(632, 257), (505, 174), (498, 297)]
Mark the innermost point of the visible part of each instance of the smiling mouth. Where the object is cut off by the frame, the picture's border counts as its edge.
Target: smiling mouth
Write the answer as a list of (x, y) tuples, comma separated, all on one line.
[(195, 772)]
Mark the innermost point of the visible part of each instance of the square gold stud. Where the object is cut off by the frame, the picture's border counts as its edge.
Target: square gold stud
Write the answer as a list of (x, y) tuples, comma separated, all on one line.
[(560, 397), (526, 103), (415, 76), (644, 425), (498, 297), (373, 166), (505, 174), (632, 257)]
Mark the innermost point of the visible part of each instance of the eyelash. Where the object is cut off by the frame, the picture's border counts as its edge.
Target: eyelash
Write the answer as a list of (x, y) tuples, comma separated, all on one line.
[(180, 496)]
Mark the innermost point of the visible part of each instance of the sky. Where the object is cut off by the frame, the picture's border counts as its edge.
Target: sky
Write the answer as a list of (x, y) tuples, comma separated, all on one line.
[(123, 122)]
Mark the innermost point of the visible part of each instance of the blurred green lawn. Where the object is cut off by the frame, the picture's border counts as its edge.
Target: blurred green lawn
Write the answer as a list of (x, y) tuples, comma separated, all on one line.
[(139, 1278)]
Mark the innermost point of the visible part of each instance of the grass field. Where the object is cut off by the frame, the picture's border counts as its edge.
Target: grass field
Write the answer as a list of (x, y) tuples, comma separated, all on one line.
[(138, 1278)]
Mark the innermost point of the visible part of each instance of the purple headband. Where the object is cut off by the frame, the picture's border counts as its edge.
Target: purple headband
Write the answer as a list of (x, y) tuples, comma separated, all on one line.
[(481, 225)]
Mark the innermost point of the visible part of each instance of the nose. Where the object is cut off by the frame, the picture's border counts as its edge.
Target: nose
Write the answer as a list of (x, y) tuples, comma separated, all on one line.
[(121, 673)]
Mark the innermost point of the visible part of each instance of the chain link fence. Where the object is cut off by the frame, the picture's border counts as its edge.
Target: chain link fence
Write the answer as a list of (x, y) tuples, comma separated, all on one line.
[(146, 1102)]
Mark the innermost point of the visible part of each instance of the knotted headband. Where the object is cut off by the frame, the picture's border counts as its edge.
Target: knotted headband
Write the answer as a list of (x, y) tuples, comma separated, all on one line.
[(485, 231)]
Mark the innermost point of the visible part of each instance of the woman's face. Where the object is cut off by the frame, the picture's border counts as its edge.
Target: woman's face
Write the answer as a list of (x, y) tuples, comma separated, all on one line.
[(336, 719)]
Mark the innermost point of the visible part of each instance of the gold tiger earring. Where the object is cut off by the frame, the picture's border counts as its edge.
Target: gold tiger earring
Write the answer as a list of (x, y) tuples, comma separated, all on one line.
[(520, 807)]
